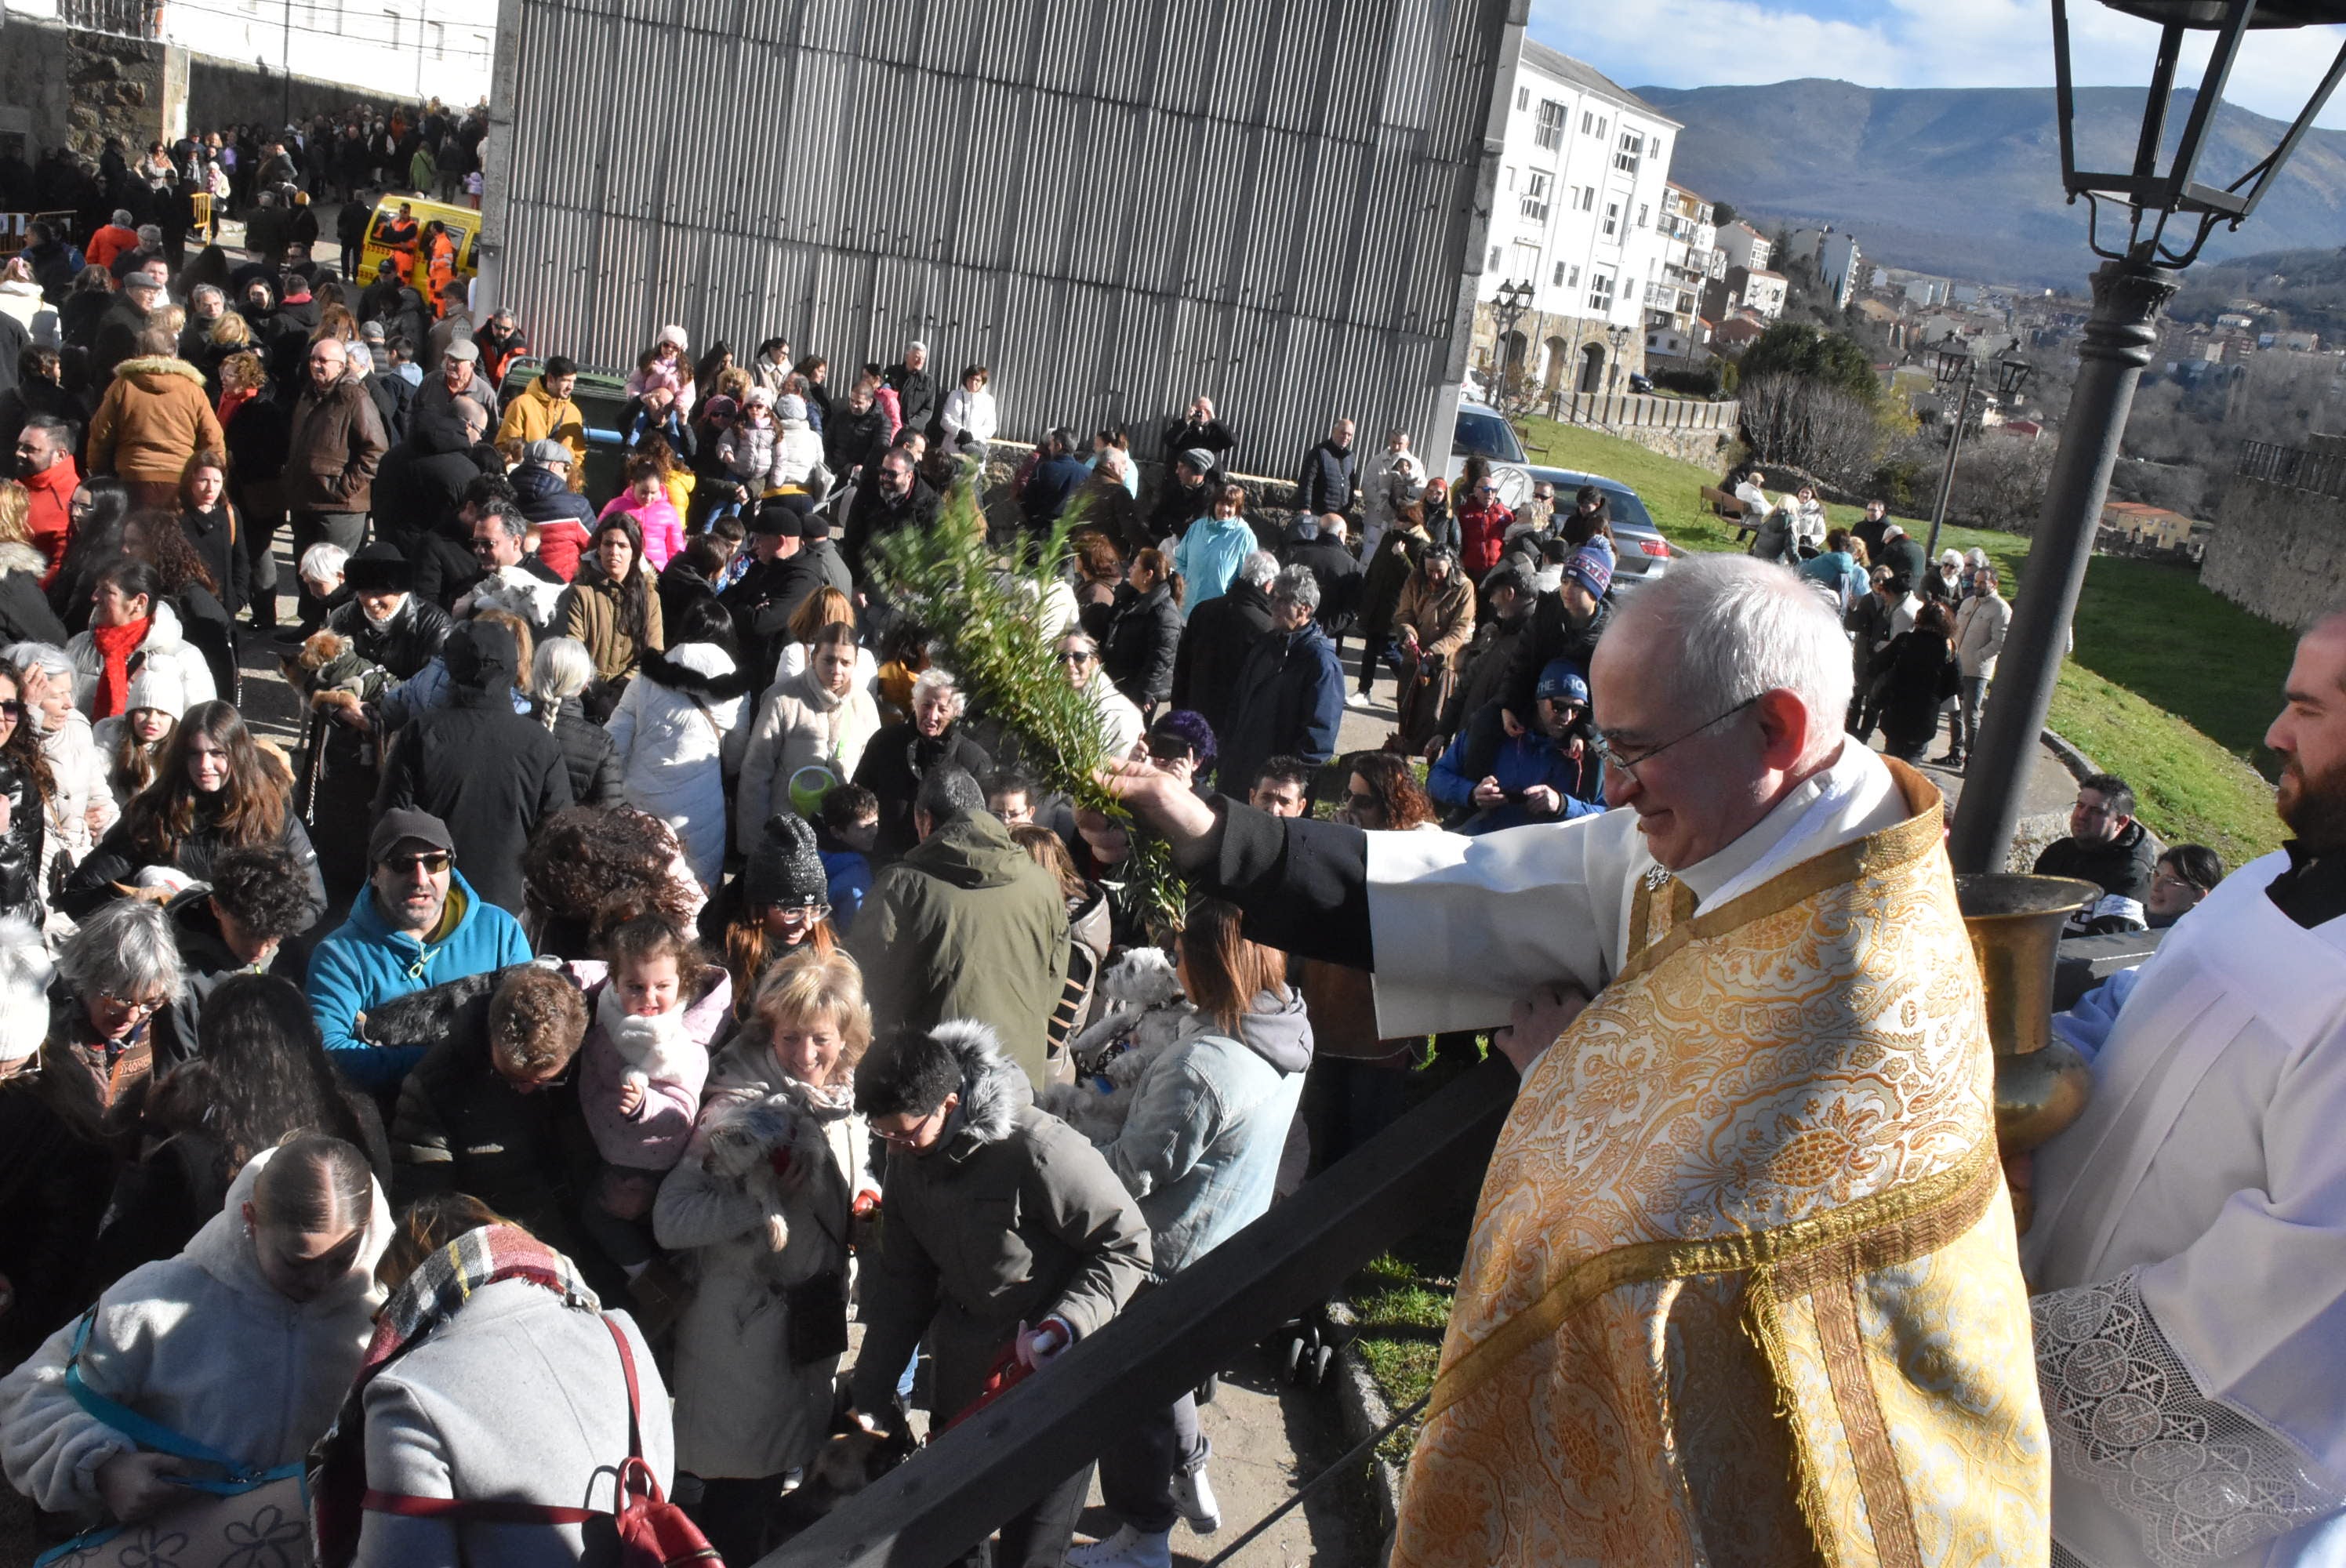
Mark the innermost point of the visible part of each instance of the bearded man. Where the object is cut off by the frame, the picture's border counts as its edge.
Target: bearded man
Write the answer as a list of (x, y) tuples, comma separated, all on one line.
[(2190, 1238), (1743, 1286)]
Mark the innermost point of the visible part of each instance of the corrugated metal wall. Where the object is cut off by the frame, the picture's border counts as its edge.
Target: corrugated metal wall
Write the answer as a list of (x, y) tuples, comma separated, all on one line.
[(1114, 204)]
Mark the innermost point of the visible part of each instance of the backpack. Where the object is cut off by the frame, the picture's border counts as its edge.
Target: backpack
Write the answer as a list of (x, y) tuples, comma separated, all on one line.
[(653, 1531)]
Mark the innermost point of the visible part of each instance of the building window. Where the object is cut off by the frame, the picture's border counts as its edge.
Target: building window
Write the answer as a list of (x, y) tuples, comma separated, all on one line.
[(1642, 211), (439, 40), (1536, 197), (1587, 122), (1495, 261), (1511, 177), (1600, 292), (1560, 275), (1550, 131), (393, 18), (1626, 160), (1587, 199), (1612, 218)]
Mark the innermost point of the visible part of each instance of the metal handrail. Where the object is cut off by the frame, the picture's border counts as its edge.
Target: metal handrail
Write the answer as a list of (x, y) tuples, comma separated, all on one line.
[(2293, 468), (930, 1510)]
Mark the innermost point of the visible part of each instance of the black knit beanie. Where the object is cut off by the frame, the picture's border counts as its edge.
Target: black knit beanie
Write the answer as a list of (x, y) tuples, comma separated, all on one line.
[(784, 867)]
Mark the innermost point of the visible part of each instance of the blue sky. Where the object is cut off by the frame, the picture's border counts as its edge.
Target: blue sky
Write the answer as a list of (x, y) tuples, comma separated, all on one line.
[(1906, 44)]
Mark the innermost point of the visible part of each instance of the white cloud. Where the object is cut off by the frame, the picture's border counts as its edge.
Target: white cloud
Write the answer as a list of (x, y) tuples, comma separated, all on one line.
[(1914, 43)]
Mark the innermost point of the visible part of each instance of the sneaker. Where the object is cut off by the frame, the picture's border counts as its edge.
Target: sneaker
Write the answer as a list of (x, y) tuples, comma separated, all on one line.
[(1128, 1548), (1193, 1494), (1951, 759), (1359, 700), (1108, 1553)]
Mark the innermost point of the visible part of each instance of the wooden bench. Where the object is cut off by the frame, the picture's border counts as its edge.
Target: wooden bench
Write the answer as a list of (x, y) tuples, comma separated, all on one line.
[(1722, 504)]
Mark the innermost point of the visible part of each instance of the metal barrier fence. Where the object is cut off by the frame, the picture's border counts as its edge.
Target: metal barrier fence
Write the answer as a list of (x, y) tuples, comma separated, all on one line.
[(1642, 411), (929, 1510), (2294, 467)]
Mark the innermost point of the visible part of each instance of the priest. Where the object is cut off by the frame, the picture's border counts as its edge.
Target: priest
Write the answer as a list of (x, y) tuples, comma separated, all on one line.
[(2189, 1246), (1742, 1285)]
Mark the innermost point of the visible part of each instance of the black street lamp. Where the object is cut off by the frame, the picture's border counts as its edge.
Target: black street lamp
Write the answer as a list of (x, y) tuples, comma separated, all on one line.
[(1508, 307), (2137, 279), (1954, 368), (1619, 335)]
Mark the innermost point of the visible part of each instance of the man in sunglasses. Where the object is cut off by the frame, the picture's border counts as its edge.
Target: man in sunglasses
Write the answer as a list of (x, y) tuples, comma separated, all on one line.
[(1773, 1112), (417, 924)]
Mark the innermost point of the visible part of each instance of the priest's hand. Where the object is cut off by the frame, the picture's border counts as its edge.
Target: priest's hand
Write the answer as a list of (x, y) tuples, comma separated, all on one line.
[(1164, 802), (1534, 1023)]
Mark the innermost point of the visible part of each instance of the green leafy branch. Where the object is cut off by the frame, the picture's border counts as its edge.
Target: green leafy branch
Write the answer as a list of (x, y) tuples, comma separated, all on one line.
[(983, 604)]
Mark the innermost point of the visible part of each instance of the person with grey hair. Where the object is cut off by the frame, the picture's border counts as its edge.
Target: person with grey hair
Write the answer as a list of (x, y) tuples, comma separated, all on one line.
[(916, 391), (1289, 695), (560, 671), (109, 1024), (900, 755), (1759, 866), (965, 926), (1217, 639), (1077, 655), (1331, 560)]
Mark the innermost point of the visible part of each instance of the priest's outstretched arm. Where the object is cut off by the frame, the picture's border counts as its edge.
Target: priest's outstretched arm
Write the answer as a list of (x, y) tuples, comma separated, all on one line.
[(1456, 930)]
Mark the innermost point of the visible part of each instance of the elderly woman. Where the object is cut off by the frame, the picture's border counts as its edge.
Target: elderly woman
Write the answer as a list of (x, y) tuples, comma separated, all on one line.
[(559, 674), (900, 755), (758, 1347), (80, 802), (243, 1343)]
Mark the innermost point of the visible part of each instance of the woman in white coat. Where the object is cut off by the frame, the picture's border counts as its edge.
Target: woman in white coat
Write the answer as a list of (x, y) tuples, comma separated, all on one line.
[(818, 718), (80, 807), (677, 733), (245, 1342), (755, 1354), (970, 418), (133, 631)]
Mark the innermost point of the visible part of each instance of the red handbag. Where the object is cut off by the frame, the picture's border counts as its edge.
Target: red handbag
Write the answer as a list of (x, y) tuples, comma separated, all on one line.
[(653, 1531)]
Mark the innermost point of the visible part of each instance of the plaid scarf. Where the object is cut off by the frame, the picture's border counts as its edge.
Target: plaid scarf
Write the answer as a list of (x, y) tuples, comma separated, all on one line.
[(424, 1304)]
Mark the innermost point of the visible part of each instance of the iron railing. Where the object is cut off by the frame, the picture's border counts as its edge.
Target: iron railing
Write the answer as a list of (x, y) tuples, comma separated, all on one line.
[(930, 1510), (2294, 467), (123, 18), (1636, 409)]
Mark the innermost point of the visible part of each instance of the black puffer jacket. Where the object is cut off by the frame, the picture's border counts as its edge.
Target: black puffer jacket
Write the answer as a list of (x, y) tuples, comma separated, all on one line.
[(1550, 635), (422, 480), (403, 644), (1214, 646), (588, 752), (1144, 634)]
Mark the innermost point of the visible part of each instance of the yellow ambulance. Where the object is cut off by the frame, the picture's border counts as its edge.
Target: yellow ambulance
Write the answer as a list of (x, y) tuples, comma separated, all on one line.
[(396, 229)]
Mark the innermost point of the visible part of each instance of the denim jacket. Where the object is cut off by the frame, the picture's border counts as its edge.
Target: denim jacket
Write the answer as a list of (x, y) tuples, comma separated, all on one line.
[(1200, 1146)]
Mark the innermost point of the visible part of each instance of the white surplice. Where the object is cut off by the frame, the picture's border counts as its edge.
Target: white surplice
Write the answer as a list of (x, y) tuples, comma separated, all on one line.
[(1463, 928), (2189, 1249)]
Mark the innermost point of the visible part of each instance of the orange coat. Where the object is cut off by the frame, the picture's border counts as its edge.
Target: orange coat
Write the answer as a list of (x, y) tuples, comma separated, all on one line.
[(153, 418)]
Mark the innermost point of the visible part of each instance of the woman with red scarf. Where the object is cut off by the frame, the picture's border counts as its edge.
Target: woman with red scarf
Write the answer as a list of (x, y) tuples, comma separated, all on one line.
[(132, 629)]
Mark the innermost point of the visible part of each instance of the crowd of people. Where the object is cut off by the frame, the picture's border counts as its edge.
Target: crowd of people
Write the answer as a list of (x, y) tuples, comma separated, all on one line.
[(651, 920)]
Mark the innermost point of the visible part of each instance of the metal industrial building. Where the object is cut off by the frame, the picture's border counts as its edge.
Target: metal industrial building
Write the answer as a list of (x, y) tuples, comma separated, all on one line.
[(1114, 204)]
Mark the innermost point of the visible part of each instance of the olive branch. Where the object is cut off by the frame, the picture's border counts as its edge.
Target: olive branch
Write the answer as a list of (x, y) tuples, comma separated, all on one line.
[(982, 605)]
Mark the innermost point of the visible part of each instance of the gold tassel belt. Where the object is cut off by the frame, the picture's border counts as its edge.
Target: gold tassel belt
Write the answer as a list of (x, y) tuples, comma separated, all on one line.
[(1888, 1229)]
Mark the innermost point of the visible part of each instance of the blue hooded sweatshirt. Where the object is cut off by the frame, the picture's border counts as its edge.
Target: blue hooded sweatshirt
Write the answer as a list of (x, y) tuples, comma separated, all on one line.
[(364, 964)]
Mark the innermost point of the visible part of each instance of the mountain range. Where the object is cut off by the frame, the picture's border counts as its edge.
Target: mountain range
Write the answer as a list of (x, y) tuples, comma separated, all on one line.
[(1966, 181)]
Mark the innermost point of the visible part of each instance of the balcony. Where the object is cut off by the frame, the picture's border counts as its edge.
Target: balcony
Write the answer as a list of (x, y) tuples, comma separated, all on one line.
[(124, 19)]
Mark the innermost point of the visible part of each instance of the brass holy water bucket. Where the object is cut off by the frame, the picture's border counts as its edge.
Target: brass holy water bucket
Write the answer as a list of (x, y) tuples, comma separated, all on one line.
[(2041, 1082)]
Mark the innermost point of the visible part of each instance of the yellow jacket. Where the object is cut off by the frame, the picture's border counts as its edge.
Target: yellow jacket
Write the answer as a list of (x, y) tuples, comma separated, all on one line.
[(533, 415)]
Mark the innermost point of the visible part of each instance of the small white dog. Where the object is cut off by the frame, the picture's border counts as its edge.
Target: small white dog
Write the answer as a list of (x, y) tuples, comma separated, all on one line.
[(764, 1147), (1149, 1015)]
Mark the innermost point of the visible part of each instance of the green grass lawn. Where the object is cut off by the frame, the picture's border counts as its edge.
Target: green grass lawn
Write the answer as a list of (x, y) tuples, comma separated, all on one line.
[(2169, 687)]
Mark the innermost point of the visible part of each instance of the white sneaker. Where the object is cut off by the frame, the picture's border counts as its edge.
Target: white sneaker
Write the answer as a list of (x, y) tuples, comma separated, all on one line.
[(1193, 1494), (1108, 1553), (1358, 700), (1134, 1550)]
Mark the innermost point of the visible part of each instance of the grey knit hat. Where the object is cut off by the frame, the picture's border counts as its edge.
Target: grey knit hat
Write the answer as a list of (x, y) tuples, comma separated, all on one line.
[(785, 868)]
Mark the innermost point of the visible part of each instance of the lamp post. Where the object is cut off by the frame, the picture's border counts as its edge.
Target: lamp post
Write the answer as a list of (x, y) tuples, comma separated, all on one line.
[(1507, 308), (2138, 275), (1953, 367), (1617, 335)]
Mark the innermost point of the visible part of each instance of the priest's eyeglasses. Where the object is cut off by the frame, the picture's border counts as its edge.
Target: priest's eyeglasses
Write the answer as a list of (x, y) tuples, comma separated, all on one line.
[(1629, 764)]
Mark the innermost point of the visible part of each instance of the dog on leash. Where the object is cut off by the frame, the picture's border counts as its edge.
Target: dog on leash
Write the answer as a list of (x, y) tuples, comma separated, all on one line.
[(1148, 1013)]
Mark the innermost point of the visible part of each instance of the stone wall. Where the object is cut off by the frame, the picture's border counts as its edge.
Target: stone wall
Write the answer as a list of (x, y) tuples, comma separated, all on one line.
[(61, 86), (1711, 449), (2279, 552)]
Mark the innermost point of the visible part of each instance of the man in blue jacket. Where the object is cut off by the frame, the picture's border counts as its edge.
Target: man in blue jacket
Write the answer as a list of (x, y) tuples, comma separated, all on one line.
[(1550, 773), (417, 924), (1289, 695)]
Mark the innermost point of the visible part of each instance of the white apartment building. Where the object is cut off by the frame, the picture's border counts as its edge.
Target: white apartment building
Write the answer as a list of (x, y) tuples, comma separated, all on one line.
[(1840, 263), (1578, 213), (1687, 262), (1741, 245)]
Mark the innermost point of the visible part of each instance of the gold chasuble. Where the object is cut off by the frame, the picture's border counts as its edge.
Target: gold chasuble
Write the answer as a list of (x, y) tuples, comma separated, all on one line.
[(1743, 1286)]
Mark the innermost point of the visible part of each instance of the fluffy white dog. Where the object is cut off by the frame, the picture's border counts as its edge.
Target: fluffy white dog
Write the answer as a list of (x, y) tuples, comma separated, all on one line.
[(1149, 1015)]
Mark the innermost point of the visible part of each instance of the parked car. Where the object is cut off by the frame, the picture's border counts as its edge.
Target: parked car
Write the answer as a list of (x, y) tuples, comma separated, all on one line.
[(1484, 431), (1639, 382), (1644, 554)]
